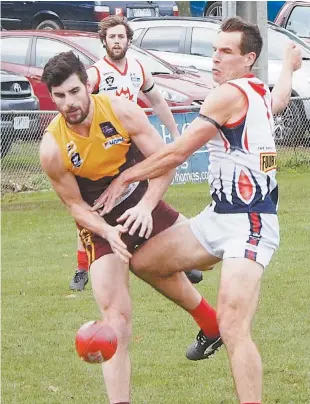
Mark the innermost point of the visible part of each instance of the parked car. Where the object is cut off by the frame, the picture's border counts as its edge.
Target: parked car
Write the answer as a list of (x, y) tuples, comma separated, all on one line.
[(79, 15), (295, 17), (214, 8), (16, 95), (188, 41), (27, 52)]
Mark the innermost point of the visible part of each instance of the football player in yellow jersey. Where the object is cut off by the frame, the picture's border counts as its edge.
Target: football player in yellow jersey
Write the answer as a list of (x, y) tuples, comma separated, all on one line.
[(84, 148), (119, 74)]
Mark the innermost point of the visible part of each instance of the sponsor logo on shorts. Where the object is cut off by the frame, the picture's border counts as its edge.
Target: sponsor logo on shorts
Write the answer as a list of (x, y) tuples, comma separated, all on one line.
[(268, 161), (114, 141)]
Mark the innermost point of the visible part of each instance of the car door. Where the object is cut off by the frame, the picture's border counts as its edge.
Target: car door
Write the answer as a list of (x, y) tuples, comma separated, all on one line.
[(166, 42), (298, 21), (16, 61), (43, 50)]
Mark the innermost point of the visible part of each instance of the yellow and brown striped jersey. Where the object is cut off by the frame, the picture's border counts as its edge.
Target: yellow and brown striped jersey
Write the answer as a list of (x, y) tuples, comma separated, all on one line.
[(97, 159)]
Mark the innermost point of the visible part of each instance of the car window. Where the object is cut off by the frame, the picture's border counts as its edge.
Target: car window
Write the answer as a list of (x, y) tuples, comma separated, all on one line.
[(278, 41), (46, 49), (20, 46), (164, 39), (151, 63), (92, 44), (136, 34), (202, 41), (299, 21)]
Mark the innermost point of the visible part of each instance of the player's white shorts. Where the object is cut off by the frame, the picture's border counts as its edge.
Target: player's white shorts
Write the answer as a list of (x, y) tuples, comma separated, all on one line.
[(239, 235)]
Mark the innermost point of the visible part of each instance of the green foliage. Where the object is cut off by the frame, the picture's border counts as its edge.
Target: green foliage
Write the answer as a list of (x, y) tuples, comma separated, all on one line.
[(40, 316)]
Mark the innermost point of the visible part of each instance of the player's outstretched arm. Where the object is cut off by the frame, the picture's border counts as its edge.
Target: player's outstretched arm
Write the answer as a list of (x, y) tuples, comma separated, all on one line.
[(282, 90), (218, 106), (68, 191), (159, 105), (148, 140)]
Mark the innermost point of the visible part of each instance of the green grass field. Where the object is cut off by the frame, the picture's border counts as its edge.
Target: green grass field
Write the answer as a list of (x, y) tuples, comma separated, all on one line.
[(40, 316)]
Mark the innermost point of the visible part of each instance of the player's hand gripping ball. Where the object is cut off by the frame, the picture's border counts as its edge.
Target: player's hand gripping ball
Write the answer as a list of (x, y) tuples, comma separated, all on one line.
[(96, 342)]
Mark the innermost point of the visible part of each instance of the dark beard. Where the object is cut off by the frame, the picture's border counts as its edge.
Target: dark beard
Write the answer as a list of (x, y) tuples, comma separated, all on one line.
[(82, 117), (120, 56)]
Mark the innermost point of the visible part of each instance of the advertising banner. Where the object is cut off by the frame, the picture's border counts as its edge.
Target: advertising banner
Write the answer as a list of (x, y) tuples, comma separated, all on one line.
[(195, 168)]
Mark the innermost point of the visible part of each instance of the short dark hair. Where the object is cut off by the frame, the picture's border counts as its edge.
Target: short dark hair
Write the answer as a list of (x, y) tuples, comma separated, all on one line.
[(60, 67), (113, 21), (251, 39)]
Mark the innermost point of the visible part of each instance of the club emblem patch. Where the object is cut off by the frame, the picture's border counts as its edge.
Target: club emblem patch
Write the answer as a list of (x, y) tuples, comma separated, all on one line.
[(108, 129)]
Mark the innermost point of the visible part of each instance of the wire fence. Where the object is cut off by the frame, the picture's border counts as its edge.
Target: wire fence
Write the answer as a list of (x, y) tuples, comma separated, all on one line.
[(21, 132)]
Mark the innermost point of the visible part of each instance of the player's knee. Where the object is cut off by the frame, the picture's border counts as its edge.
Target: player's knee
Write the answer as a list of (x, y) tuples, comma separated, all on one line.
[(138, 265), (115, 309), (120, 320), (233, 325), (144, 267)]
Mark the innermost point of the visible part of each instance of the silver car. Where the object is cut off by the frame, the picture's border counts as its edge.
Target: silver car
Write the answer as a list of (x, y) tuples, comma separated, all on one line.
[(188, 41), (17, 95)]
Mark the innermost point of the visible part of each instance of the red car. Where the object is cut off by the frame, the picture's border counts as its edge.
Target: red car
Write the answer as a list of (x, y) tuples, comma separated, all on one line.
[(27, 52), (295, 17)]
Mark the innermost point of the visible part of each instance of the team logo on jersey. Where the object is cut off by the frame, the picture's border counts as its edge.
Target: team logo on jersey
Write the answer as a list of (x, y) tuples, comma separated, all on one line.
[(108, 129), (113, 141), (76, 160), (73, 155), (268, 161), (136, 81), (125, 92), (244, 185), (109, 80)]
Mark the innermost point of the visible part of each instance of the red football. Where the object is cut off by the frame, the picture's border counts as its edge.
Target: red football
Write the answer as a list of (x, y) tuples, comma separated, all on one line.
[(96, 342)]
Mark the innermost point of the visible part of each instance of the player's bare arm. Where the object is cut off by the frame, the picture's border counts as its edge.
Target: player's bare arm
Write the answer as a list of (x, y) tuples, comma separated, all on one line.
[(225, 104), (281, 92), (148, 141), (67, 189), (159, 105)]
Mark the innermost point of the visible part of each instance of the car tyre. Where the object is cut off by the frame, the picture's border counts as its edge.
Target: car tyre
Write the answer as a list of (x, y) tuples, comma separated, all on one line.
[(214, 10), (49, 25)]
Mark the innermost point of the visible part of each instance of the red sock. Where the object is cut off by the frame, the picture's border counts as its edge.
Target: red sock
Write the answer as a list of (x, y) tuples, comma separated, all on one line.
[(251, 403), (205, 317), (82, 260)]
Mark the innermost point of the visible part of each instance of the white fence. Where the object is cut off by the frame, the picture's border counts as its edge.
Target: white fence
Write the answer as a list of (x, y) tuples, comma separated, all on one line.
[(21, 133)]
